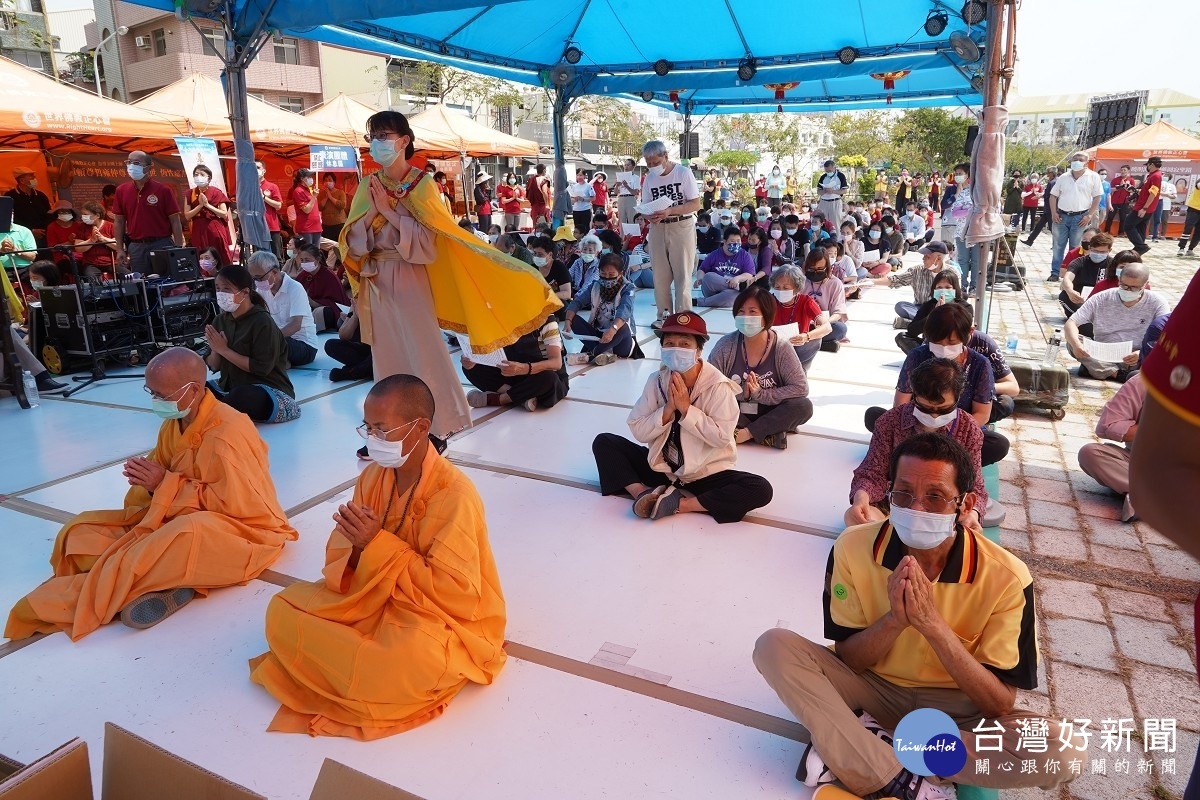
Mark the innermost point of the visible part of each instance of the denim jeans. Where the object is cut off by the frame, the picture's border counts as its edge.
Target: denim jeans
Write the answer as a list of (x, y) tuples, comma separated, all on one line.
[(1067, 233), (968, 262)]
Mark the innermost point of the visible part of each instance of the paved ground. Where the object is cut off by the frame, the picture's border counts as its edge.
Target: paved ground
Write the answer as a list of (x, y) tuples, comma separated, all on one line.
[(1114, 599)]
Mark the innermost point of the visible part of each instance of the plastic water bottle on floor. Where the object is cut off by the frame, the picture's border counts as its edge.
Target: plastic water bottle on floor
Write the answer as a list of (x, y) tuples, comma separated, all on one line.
[(1052, 348), (31, 390), (1011, 344)]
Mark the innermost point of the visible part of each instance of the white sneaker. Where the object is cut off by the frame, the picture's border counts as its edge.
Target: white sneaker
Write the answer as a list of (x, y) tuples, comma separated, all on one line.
[(604, 359), (812, 770), (922, 789), (531, 404), (578, 359)]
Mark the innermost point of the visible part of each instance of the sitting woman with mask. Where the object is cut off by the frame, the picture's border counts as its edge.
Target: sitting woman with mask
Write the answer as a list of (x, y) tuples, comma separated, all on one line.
[(532, 374), (249, 352), (936, 386), (792, 306), (686, 416), (877, 253), (609, 333), (586, 266), (946, 289), (325, 292), (830, 294), (774, 390)]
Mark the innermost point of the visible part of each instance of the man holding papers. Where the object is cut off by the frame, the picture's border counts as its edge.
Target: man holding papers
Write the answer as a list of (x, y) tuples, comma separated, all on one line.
[(1119, 318), (628, 186)]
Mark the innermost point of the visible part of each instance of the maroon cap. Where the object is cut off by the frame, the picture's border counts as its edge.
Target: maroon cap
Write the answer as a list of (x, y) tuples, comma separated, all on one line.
[(684, 322)]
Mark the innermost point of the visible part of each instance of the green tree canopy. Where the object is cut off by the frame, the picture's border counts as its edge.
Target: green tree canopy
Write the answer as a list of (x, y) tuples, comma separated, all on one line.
[(732, 159), (862, 133), (925, 139)]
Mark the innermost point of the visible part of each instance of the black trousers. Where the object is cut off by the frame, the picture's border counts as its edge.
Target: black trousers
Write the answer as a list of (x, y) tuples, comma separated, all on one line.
[(1042, 219), (1135, 229), (1118, 213), (1191, 226), (355, 355), (332, 231), (547, 387), (253, 401), (582, 220), (727, 496), (781, 418), (995, 445), (277, 244), (300, 353), (1068, 306), (1027, 215)]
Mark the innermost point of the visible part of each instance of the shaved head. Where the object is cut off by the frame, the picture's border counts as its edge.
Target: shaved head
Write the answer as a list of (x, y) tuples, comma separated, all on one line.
[(174, 367), (405, 394)]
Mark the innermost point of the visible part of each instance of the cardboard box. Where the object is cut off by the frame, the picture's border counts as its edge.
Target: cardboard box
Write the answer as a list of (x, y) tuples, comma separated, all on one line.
[(339, 782), (62, 775), (135, 769)]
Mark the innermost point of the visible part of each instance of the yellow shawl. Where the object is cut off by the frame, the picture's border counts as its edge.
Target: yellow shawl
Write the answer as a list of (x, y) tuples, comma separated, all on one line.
[(477, 290)]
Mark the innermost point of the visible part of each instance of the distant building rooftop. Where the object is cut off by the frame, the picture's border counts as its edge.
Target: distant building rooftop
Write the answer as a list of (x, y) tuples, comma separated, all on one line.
[(1159, 98)]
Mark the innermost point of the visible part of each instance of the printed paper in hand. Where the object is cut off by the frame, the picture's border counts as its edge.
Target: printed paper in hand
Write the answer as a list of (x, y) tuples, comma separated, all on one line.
[(631, 229), (786, 332), (1087, 292), (654, 206), (1108, 352), (630, 179), (491, 359)]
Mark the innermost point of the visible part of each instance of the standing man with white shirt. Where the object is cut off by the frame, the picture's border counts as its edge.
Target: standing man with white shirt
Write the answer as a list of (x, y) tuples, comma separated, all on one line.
[(1074, 205), (627, 194), (672, 236), (831, 188)]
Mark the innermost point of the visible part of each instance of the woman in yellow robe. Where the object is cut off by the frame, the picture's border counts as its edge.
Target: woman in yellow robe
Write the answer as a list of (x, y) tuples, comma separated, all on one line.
[(410, 609), (416, 273)]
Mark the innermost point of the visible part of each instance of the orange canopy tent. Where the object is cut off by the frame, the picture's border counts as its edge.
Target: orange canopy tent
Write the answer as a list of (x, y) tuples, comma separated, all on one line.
[(201, 100), (38, 113), (465, 136), (1180, 154)]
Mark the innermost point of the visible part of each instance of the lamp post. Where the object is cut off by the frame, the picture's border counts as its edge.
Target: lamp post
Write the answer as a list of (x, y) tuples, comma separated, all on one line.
[(120, 31)]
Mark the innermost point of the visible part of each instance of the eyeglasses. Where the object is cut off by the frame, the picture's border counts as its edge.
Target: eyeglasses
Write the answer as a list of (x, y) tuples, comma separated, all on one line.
[(933, 412), (265, 275), (1126, 287), (366, 430), (934, 503), (381, 137), (158, 396)]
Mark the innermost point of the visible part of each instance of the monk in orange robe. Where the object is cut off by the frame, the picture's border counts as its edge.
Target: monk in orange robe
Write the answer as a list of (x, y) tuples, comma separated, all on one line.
[(201, 512), (410, 608)]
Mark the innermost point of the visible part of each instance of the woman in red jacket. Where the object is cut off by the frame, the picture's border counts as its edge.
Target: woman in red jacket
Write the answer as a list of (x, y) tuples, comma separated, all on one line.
[(207, 208)]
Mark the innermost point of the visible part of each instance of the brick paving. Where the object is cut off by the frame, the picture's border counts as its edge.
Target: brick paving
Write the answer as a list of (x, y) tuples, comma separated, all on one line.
[(1114, 599)]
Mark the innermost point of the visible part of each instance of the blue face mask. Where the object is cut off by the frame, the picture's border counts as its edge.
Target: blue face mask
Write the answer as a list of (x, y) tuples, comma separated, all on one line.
[(943, 295), (734, 248), (678, 359), (745, 215), (384, 151)]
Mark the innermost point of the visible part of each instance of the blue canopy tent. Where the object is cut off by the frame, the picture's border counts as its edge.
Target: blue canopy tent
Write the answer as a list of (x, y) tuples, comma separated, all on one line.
[(720, 56)]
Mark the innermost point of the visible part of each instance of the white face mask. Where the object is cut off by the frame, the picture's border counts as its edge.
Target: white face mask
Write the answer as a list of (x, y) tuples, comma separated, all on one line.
[(776, 234), (226, 302), (1128, 296), (932, 422), (201, 181), (784, 295), (35, 285), (945, 350), (1077, 166), (88, 219), (308, 266), (540, 261), (65, 218), (492, 237), (960, 178), (389, 455), (588, 257), (922, 530), (748, 326), (32, 183), (1097, 256), (678, 359), (308, 181), (262, 174)]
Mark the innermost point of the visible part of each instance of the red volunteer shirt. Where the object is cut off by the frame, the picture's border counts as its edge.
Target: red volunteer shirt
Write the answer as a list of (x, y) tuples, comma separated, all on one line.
[(147, 211), (271, 215), (1148, 196), (310, 222)]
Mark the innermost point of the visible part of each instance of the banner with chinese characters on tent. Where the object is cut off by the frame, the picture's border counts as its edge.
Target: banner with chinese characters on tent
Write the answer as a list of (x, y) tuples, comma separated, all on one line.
[(332, 158), (197, 152), (83, 176)]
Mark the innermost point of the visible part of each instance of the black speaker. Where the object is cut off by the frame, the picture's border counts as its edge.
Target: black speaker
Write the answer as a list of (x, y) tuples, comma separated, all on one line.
[(972, 132), (176, 263)]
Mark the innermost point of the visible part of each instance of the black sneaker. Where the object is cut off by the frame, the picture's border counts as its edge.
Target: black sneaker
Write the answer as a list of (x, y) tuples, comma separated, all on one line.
[(1083, 373), (47, 385), (830, 347), (438, 443)]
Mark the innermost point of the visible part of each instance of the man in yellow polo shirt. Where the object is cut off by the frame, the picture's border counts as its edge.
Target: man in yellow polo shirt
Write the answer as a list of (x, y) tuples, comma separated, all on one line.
[(924, 614)]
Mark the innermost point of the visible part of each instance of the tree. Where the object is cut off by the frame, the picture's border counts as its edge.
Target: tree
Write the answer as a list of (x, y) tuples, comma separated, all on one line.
[(83, 63), (775, 135), (862, 133), (436, 83), (925, 139), (732, 159), (614, 122)]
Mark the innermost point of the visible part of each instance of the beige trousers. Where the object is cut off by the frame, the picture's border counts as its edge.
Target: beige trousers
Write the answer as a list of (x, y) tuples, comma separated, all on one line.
[(822, 692), (625, 212), (672, 249), (1108, 464)]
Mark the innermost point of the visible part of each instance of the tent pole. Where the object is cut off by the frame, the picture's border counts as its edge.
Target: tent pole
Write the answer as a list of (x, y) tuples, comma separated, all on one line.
[(467, 196), (997, 14), (685, 147), (562, 207)]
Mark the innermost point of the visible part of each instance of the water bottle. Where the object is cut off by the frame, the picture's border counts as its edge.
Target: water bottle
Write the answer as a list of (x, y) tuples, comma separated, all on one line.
[(1011, 344), (31, 390), (1052, 348)]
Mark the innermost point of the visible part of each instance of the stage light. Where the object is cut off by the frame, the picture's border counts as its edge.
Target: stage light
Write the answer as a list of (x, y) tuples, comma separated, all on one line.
[(572, 55), (662, 67), (936, 22), (747, 69), (847, 55), (647, 97), (974, 12)]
